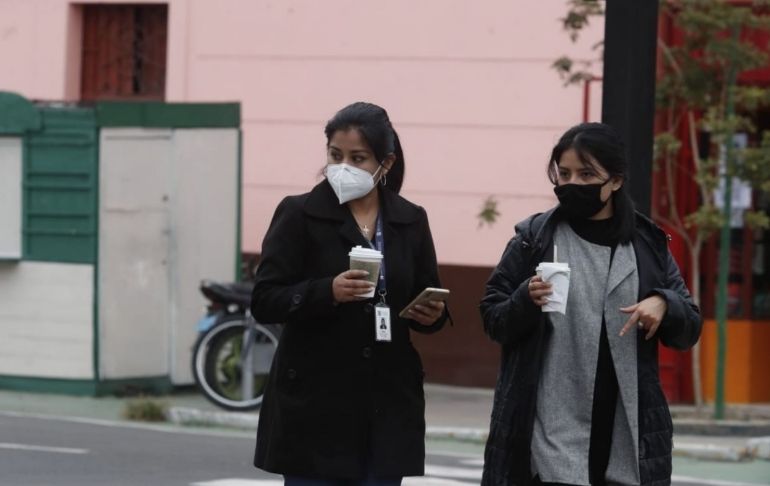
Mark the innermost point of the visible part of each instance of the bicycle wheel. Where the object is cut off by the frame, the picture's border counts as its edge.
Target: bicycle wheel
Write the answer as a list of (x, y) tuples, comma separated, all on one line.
[(229, 374)]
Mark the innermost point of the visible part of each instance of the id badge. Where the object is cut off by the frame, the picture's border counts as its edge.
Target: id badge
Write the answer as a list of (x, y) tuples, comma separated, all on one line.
[(382, 323)]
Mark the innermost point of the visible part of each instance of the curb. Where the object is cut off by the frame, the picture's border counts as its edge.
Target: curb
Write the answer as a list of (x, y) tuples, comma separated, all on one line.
[(756, 448), (759, 447), (739, 428), (711, 452), (239, 420), (193, 416)]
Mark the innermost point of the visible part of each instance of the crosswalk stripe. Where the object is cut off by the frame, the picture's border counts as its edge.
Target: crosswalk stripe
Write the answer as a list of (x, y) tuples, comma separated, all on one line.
[(453, 472), (38, 448), (676, 479), (434, 476), (428, 481), (473, 462), (415, 481), (240, 482)]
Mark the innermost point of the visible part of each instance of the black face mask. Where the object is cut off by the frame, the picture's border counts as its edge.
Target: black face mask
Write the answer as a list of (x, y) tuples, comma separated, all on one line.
[(581, 200)]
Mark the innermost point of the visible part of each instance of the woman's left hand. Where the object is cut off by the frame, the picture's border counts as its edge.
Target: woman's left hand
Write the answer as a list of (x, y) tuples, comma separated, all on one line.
[(428, 313), (646, 315)]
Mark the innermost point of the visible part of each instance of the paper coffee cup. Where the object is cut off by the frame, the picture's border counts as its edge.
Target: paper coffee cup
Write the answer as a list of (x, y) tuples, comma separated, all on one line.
[(366, 259), (557, 274)]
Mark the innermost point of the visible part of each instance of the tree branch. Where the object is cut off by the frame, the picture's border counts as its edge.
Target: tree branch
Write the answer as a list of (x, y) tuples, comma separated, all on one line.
[(670, 57), (695, 153)]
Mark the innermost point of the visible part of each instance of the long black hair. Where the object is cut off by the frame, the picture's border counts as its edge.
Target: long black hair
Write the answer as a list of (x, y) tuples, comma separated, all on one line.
[(373, 124), (600, 143)]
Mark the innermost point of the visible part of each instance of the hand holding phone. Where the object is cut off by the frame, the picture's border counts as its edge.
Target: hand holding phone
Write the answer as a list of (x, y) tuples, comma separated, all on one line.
[(430, 293)]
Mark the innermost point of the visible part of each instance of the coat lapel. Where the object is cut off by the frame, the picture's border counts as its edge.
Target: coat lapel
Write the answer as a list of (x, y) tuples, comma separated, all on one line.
[(349, 230), (623, 265), (322, 203), (622, 291)]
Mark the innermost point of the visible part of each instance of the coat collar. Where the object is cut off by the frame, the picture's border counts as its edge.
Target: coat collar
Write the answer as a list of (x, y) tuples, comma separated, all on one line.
[(538, 230), (323, 203)]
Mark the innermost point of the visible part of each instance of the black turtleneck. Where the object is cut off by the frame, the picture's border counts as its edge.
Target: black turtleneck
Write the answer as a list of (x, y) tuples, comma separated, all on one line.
[(597, 231), (601, 232)]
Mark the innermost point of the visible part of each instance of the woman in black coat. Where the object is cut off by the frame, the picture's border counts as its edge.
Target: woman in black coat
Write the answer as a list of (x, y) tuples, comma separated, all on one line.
[(578, 398), (342, 406)]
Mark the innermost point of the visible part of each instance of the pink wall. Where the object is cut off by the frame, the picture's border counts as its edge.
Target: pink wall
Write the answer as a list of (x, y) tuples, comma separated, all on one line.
[(468, 85)]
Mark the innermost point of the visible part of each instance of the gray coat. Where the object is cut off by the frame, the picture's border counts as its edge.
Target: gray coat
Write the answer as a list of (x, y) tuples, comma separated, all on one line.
[(511, 319)]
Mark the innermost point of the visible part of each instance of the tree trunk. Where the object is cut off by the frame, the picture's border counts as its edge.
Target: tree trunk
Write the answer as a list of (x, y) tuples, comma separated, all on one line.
[(697, 384)]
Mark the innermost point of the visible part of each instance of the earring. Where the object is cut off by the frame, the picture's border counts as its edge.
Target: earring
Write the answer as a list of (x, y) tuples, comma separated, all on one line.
[(384, 180)]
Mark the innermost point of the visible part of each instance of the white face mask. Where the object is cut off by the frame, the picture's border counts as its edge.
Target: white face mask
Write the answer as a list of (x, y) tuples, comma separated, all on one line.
[(349, 182)]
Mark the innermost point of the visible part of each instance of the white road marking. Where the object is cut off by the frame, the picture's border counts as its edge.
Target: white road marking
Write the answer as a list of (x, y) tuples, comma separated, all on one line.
[(240, 482), (707, 482), (39, 448), (466, 455), (473, 462), (460, 473), (453, 472), (426, 481), (417, 481), (168, 428)]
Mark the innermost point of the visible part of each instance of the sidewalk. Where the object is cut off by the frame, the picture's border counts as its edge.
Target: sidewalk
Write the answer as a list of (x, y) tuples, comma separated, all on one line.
[(452, 413)]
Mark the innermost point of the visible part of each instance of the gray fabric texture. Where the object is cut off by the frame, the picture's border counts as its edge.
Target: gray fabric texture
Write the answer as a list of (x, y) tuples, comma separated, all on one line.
[(562, 428), (623, 291)]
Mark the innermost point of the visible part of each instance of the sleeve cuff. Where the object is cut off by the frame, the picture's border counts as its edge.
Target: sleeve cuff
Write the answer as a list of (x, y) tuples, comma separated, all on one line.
[(674, 305)]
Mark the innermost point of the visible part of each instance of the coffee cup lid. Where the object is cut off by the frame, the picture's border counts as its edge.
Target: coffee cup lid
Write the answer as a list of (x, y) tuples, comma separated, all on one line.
[(361, 252), (554, 264)]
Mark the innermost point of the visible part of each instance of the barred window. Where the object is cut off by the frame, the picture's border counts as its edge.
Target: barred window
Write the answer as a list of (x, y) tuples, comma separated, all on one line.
[(124, 52)]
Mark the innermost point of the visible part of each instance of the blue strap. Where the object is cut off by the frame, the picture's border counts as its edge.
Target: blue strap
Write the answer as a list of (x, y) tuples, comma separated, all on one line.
[(379, 245)]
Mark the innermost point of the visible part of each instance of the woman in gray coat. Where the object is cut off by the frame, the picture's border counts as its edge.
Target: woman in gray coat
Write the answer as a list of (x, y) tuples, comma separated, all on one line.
[(578, 399)]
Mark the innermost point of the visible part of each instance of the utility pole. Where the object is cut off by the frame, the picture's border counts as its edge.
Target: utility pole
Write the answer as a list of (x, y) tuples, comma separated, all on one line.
[(628, 99), (724, 242)]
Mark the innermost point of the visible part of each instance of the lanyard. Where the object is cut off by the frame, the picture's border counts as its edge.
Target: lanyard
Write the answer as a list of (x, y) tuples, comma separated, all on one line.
[(379, 244)]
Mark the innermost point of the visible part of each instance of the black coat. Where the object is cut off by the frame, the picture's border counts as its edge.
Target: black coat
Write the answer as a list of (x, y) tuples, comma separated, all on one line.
[(513, 320), (338, 403)]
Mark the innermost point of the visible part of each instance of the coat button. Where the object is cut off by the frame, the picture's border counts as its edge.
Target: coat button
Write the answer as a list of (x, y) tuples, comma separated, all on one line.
[(296, 299), (291, 374), (367, 352), (368, 308)]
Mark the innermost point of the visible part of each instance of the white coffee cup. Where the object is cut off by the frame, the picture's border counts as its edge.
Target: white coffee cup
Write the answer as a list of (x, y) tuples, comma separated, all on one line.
[(366, 259), (557, 274)]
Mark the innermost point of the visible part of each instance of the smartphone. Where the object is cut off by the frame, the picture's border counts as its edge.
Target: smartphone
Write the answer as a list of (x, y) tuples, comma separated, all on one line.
[(429, 293)]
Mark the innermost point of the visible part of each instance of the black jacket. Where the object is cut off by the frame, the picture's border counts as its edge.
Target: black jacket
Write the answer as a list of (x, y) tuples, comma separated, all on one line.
[(337, 402), (514, 321)]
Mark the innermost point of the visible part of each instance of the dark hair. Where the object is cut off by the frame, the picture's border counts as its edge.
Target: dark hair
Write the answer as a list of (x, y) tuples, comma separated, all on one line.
[(373, 124), (600, 143)]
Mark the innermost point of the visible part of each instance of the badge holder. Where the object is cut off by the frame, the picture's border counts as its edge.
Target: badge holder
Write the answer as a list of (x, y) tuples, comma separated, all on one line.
[(382, 327)]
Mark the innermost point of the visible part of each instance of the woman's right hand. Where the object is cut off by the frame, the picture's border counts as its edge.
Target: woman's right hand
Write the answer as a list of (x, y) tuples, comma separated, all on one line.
[(539, 290), (350, 284)]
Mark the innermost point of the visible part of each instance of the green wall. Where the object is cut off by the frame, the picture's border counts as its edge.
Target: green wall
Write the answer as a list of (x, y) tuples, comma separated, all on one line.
[(60, 187)]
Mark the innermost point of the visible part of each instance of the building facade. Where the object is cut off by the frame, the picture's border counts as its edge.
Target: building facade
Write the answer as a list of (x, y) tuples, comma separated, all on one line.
[(468, 85)]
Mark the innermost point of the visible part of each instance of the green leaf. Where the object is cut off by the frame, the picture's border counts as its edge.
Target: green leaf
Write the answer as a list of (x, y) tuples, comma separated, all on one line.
[(666, 144), (751, 98), (489, 213), (755, 168), (563, 66), (578, 16), (756, 219), (707, 219)]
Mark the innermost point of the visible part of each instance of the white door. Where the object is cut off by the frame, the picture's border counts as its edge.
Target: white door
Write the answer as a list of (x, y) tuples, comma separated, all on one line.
[(134, 241), (205, 209)]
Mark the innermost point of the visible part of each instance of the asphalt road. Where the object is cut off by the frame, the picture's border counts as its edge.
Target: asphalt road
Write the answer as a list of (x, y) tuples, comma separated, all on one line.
[(42, 450), (37, 450)]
